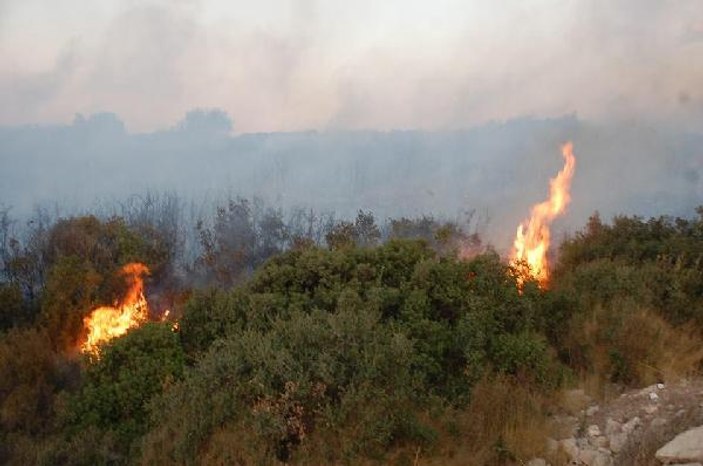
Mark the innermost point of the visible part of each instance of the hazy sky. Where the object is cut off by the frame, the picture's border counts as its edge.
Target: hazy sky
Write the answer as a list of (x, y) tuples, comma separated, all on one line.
[(379, 64)]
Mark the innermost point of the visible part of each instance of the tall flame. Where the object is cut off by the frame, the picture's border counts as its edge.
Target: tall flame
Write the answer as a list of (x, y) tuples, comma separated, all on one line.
[(107, 322), (532, 238)]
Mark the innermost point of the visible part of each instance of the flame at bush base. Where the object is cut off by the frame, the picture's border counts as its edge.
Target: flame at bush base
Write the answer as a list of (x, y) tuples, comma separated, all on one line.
[(107, 322), (533, 235)]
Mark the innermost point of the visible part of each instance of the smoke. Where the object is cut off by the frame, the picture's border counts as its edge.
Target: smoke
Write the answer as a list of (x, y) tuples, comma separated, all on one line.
[(290, 66), (402, 108), (498, 170)]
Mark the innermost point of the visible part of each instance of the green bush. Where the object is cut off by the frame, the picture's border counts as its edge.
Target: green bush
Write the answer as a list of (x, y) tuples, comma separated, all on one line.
[(120, 381), (353, 353), (656, 262), (333, 355)]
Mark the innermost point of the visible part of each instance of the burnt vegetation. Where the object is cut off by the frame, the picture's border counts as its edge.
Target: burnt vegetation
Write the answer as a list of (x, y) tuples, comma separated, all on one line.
[(307, 339)]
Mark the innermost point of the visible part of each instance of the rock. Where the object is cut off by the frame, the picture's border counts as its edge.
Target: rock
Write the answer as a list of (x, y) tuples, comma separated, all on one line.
[(593, 431), (658, 422), (660, 386), (596, 458), (582, 442), (570, 448), (631, 425), (617, 441), (592, 411), (687, 446), (653, 396), (612, 427), (651, 409), (600, 441), (647, 390), (537, 462)]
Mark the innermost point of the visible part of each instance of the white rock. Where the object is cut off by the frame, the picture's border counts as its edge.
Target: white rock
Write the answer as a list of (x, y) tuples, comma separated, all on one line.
[(660, 386), (600, 441), (617, 441), (687, 446), (647, 390), (612, 427), (651, 409), (658, 422), (653, 396), (631, 425), (570, 448), (537, 462), (595, 458), (593, 431), (592, 410)]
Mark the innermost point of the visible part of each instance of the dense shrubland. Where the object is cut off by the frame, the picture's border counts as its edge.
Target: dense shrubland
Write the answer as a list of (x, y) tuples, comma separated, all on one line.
[(310, 340), (639, 288)]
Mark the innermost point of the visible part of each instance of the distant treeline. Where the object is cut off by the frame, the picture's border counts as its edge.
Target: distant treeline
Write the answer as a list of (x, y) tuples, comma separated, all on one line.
[(500, 169)]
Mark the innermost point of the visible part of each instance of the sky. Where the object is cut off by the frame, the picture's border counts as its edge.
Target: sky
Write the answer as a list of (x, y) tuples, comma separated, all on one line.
[(305, 64)]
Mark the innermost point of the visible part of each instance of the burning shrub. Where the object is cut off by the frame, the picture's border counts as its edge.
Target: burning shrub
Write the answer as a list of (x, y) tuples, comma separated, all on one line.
[(84, 257), (117, 387)]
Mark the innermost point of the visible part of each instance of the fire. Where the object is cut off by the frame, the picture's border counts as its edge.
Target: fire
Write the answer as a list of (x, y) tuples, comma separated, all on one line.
[(107, 322), (532, 239)]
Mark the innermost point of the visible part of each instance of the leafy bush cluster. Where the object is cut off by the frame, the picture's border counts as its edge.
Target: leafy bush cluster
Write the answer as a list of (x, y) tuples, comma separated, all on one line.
[(337, 354), (359, 345), (638, 285)]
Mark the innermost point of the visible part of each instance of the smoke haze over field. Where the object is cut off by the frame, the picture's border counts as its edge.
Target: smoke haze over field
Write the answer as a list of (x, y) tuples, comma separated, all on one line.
[(499, 170), (294, 65), (402, 108)]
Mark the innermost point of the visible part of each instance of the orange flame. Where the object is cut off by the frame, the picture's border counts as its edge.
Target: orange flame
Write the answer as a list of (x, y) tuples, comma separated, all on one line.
[(532, 239), (107, 322)]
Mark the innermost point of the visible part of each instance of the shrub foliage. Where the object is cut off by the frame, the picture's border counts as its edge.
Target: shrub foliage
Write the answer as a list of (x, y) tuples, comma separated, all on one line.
[(362, 348)]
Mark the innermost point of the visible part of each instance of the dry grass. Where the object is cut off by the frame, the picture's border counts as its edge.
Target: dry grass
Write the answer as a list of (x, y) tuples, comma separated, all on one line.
[(505, 424), (634, 346)]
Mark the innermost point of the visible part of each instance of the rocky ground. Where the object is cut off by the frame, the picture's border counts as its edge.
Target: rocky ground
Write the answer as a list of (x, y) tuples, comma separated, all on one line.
[(648, 427)]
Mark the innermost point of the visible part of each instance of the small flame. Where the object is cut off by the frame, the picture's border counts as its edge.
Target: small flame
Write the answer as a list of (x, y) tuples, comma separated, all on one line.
[(107, 322), (532, 238)]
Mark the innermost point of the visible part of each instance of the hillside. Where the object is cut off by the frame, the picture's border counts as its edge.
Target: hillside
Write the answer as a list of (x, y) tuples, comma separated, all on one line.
[(411, 345)]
